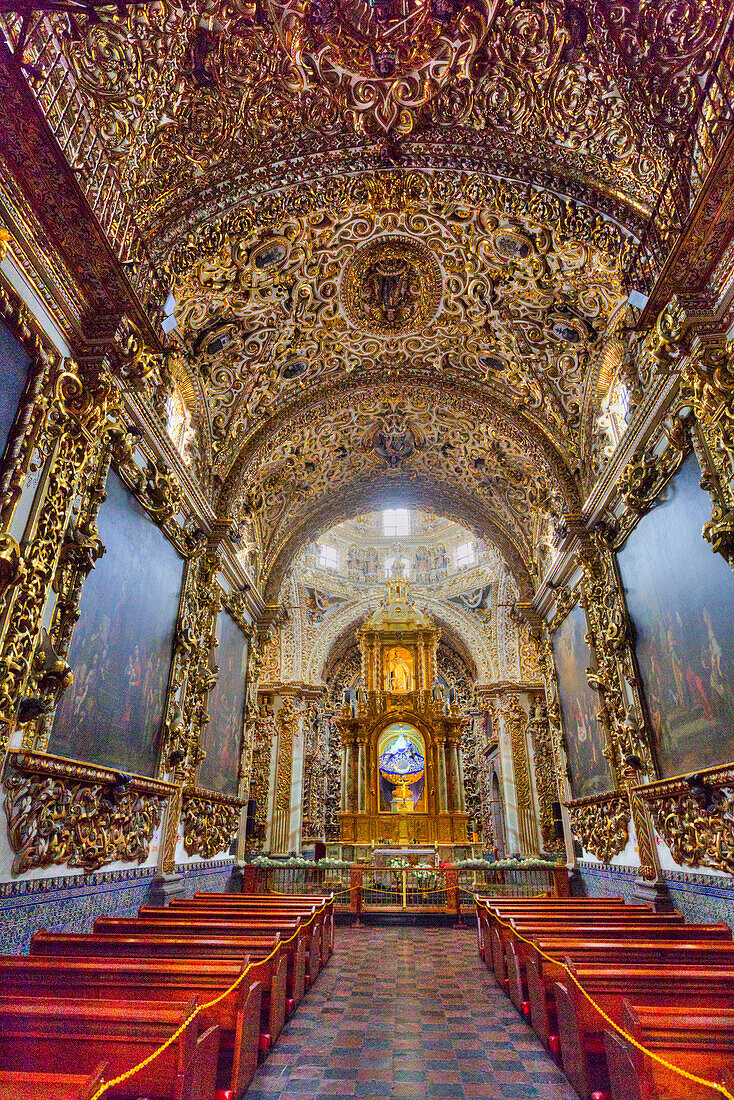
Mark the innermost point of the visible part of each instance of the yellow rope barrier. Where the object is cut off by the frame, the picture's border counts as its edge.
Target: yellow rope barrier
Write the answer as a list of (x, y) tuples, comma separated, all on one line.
[(200, 1008), (625, 1035)]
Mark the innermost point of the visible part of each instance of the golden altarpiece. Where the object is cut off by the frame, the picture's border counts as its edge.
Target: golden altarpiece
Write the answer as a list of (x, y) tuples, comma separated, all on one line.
[(402, 779)]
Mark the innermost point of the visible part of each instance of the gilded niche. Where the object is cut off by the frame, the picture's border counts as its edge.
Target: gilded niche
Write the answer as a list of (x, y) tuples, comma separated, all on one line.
[(391, 286)]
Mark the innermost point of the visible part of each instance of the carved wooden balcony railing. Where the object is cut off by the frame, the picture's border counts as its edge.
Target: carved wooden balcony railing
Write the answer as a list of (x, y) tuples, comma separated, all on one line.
[(702, 151)]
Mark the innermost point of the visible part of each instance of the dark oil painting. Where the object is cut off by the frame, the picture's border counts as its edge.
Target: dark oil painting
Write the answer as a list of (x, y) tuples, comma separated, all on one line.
[(680, 597), (222, 734), (14, 363), (585, 742), (122, 645)]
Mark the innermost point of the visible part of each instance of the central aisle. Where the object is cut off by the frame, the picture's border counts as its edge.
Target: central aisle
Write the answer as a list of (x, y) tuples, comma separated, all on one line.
[(408, 1012)]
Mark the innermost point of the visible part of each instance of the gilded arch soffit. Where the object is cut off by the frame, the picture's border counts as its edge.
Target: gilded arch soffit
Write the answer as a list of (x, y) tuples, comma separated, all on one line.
[(403, 442), (340, 504), (458, 626), (182, 95), (512, 294)]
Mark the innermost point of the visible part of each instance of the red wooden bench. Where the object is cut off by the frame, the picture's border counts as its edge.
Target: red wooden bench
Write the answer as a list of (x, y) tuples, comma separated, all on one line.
[(55, 1035), (581, 1028), (140, 980), (270, 971), (29, 1085), (217, 939), (698, 1040)]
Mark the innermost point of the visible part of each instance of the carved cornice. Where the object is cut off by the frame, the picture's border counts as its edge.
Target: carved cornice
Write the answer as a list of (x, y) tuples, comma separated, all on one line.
[(66, 813), (601, 823), (694, 815)]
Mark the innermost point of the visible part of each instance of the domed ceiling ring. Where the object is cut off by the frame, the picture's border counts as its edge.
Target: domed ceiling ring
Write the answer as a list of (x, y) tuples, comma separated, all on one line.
[(391, 286)]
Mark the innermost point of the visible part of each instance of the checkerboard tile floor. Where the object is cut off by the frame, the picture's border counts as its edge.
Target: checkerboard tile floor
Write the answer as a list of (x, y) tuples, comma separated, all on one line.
[(407, 1012)]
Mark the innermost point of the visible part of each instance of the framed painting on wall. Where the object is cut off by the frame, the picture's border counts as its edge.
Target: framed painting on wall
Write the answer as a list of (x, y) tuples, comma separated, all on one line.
[(122, 645), (14, 363), (585, 741), (680, 597), (222, 735)]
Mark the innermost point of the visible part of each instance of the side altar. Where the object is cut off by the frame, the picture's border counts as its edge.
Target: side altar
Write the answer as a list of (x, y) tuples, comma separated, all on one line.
[(402, 779)]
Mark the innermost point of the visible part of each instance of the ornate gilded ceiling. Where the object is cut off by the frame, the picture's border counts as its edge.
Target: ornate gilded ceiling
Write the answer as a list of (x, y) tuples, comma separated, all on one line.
[(396, 232), (193, 101)]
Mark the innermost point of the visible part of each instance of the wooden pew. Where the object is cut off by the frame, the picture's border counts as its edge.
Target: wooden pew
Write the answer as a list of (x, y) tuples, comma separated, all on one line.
[(30, 1085), (288, 926), (243, 907), (532, 983), (55, 1035), (271, 972), (293, 903), (492, 910), (518, 950), (45, 979), (581, 1028), (296, 949), (502, 934), (698, 1040)]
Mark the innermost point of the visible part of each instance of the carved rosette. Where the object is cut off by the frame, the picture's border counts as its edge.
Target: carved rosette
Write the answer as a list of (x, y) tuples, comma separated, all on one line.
[(695, 817), (65, 814), (601, 823), (209, 822)]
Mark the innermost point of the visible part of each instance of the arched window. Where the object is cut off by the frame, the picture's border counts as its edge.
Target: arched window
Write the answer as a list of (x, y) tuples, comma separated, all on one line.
[(178, 423)]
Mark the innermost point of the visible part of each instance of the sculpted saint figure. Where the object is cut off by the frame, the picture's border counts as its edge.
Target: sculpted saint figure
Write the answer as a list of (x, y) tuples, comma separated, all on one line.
[(398, 673)]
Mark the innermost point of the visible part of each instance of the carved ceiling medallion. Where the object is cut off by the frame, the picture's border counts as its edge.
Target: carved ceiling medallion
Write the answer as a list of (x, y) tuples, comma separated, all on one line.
[(391, 286), (380, 60)]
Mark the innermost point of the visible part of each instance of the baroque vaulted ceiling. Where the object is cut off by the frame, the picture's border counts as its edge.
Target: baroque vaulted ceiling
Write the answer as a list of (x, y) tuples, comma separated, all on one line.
[(398, 235)]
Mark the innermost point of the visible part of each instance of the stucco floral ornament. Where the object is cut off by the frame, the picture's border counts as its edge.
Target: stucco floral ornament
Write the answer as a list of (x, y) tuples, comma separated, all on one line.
[(380, 60)]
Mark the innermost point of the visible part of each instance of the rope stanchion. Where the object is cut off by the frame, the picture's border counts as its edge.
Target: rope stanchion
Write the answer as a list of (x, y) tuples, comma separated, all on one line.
[(721, 1089), (199, 1008)]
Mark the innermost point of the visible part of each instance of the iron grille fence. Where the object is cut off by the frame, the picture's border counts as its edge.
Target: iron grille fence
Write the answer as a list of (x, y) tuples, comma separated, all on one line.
[(363, 887), (519, 882)]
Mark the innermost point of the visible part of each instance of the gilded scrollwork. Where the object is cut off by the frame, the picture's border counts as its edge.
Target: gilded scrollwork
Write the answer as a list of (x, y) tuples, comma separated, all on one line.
[(545, 775), (601, 824), (695, 817), (65, 814), (82, 409), (209, 823)]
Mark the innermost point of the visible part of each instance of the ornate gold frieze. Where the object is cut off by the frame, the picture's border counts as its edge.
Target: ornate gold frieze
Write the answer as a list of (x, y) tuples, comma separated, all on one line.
[(210, 822), (61, 813), (694, 814), (601, 823)]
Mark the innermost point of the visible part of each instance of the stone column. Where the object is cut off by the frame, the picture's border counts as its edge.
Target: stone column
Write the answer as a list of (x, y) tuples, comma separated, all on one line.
[(442, 779), (343, 788), (460, 776), (361, 778)]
